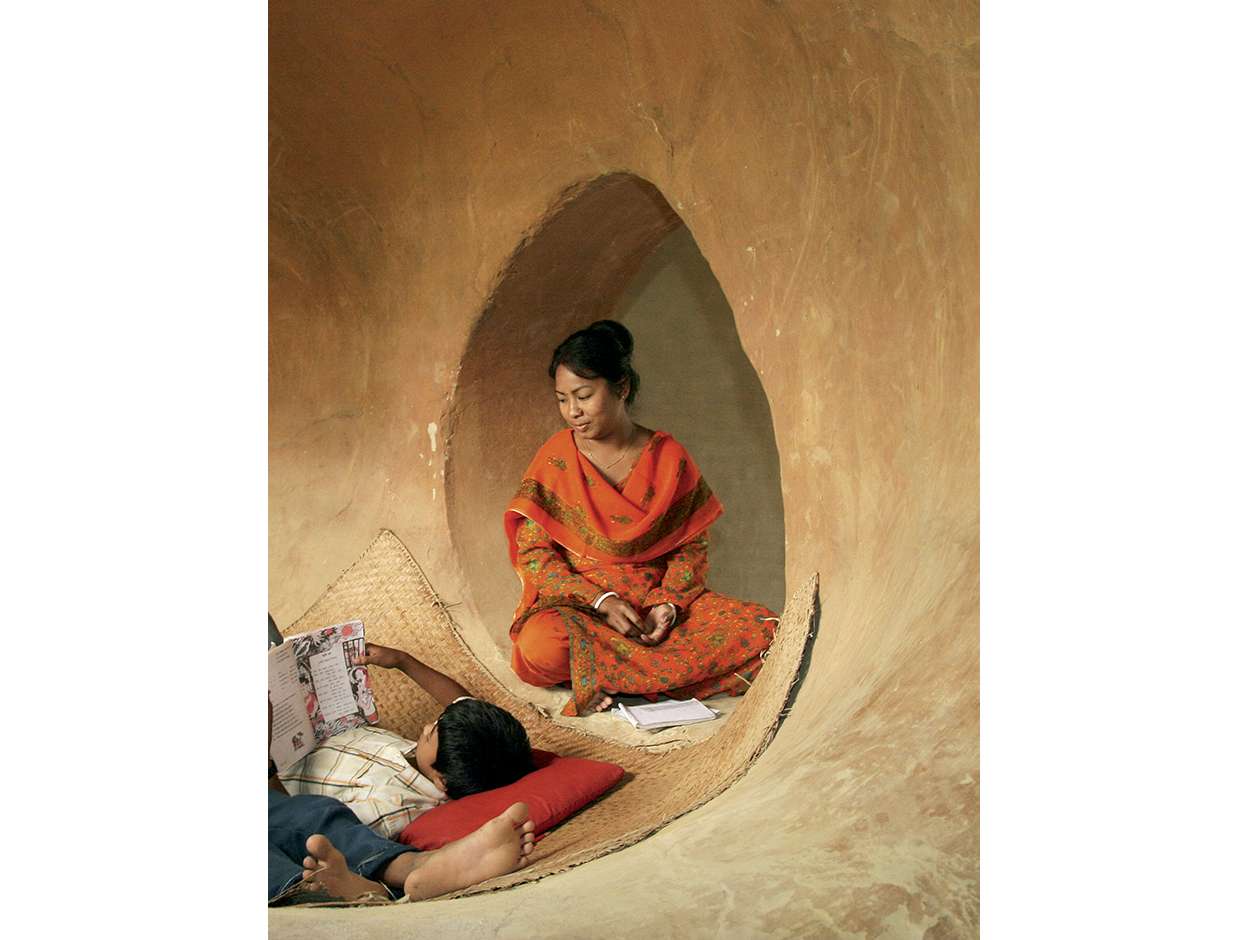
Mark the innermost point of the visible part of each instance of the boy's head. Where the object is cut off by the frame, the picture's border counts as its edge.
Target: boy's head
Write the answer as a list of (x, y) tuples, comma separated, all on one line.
[(473, 746)]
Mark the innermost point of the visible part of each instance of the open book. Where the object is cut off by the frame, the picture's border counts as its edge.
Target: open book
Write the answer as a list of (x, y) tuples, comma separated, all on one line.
[(318, 686), (666, 714)]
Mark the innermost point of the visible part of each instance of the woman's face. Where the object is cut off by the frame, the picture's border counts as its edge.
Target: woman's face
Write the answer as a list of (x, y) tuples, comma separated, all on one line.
[(589, 406)]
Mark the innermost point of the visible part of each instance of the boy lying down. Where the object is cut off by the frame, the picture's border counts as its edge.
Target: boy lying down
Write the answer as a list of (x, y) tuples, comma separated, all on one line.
[(329, 816)]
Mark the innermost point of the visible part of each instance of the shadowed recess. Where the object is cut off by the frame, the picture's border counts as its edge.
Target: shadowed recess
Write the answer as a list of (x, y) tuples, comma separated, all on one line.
[(612, 247)]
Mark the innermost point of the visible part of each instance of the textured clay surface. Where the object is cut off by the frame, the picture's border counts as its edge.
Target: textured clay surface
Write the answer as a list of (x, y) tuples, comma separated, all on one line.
[(454, 184)]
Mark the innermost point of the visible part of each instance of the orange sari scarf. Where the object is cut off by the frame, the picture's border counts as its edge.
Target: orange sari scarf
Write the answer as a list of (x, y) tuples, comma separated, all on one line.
[(663, 503)]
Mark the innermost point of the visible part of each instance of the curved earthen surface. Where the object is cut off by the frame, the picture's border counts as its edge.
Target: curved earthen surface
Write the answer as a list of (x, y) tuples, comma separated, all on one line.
[(824, 158)]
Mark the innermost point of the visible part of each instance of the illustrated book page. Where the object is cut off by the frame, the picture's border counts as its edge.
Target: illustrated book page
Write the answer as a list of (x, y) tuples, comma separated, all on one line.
[(319, 686)]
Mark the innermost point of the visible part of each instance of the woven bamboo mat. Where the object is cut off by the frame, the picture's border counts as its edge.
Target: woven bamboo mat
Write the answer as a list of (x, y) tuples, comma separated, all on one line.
[(387, 590)]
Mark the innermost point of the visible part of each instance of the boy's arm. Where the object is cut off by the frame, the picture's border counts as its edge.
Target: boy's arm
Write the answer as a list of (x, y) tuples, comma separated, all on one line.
[(441, 687)]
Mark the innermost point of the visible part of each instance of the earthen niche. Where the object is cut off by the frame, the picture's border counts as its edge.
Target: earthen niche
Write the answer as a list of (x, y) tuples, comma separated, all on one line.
[(611, 247)]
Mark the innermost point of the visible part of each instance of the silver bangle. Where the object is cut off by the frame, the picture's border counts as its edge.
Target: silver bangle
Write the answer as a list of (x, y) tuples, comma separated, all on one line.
[(603, 596)]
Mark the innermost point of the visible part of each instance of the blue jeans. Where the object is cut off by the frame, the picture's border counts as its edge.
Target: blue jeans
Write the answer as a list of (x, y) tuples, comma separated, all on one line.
[(293, 818)]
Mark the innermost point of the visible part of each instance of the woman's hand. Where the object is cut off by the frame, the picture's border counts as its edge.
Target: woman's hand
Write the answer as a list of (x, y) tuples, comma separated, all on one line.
[(621, 617), (659, 620), (384, 656)]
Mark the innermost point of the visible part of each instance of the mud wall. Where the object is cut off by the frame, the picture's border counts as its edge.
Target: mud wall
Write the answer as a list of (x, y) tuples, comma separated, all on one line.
[(824, 159)]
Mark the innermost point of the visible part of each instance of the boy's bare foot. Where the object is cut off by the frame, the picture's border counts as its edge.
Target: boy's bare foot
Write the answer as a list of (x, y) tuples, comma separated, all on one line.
[(326, 869), (601, 701), (500, 846)]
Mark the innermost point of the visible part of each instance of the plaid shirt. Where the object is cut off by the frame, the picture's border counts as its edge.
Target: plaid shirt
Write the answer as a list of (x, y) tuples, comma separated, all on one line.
[(367, 769)]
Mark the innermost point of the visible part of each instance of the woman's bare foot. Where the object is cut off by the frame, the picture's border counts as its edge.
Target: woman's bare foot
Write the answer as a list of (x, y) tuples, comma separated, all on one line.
[(326, 869), (500, 846), (601, 701)]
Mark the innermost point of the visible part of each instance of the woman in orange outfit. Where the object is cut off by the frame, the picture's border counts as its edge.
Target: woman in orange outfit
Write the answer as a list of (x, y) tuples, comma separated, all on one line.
[(608, 535)]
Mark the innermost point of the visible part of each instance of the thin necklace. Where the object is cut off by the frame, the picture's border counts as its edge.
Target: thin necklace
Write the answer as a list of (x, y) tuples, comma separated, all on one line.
[(623, 453)]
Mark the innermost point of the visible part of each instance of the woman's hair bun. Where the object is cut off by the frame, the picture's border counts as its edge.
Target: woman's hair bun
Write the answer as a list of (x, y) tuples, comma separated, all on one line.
[(603, 349), (618, 332)]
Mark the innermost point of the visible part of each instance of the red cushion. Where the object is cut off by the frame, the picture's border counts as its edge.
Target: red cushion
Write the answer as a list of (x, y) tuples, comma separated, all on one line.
[(558, 788)]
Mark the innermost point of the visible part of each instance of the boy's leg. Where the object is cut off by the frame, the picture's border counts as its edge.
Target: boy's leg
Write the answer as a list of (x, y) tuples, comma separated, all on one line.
[(292, 819), (499, 846), (283, 872), (285, 864)]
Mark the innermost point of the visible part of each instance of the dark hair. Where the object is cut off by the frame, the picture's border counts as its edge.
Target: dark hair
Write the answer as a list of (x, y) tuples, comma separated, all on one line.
[(480, 747), (604, 349)]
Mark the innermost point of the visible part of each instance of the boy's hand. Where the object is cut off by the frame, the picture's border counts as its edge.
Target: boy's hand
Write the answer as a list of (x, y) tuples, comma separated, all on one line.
[(384, 656), (442, 687)]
